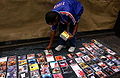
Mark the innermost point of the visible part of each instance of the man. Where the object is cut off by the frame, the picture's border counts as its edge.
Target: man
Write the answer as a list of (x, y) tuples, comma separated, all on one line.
[(64, 17)]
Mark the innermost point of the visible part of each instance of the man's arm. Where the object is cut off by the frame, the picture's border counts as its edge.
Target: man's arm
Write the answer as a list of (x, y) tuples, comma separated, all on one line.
[(75, 29), (52, 36)]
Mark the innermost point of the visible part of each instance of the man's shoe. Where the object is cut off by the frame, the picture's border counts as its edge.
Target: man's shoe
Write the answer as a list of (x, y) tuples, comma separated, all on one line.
[(59, 47), (71, 49)]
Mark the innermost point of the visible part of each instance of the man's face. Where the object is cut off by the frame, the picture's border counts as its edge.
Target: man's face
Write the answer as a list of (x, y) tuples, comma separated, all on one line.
[(55, 22)]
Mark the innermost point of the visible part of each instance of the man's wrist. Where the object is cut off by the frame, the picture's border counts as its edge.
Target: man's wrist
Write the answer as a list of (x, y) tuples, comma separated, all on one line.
[(73, 32)]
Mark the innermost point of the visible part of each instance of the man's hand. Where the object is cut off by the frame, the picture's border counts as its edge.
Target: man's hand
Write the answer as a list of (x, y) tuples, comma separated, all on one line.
[(48, 47), (52, 35), (71, 36)]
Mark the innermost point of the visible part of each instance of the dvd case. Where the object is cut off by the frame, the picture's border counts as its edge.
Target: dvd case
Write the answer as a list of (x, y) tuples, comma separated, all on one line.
[(59, 75), (30, 56), (34, 74), (54, 64)]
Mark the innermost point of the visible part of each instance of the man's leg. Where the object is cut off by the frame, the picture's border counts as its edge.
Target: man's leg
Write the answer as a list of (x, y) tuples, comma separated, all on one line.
[(72, 41), (61, 42)]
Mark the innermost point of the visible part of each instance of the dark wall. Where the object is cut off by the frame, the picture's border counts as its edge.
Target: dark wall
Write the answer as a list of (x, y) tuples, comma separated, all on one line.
[(117, 26), (24, 19)]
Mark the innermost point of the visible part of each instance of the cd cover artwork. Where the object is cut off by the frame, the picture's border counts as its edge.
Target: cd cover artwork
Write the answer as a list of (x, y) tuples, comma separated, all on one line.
[(34, 74)]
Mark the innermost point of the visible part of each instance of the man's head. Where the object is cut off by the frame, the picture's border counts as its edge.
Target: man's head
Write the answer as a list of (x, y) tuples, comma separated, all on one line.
[(52, 18)]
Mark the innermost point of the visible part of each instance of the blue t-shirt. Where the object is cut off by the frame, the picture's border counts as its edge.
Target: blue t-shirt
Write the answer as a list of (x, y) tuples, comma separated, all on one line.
[(69, 10)]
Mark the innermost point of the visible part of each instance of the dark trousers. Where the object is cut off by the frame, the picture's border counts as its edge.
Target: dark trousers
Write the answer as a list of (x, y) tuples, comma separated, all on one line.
[(72, 41)]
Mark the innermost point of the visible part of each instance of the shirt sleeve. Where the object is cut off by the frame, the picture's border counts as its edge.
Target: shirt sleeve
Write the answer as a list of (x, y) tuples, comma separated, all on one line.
[(79, 15)]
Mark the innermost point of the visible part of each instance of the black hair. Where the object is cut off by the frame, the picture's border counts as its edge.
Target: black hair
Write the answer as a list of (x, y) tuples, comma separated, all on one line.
[(51, 16)]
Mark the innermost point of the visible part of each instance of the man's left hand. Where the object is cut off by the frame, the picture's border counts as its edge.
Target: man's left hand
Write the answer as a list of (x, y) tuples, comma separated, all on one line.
[(71, 36)]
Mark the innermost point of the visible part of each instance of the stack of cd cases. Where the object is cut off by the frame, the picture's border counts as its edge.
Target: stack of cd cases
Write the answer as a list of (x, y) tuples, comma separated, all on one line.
[(93, 60)]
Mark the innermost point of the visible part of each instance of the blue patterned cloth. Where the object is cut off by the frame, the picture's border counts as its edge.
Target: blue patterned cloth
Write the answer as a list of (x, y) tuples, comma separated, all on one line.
[(69, 10)]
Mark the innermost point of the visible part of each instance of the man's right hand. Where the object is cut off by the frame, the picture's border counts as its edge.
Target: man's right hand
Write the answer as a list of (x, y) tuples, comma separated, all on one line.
[(52, 35)]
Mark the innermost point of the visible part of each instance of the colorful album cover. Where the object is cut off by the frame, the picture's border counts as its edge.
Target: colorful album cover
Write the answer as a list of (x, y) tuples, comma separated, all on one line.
[(50, 58), (65, 35), (64, 57), (103, 65), (71, 55), (46, 76), (90, 62), (57, 58), (22, 57), (70, 61), (30, 56), (63, 63), (84, 51), (109, 51), (96, 67), (95, 53), (79, 60), (3, 59), (92, 76), (40, 55), (94, 46), (48, 52), (3, 63), (117, 57), (23, 75), (101, 74), (34, 67), (11, 63), (83, 65), (103, 58), (11, 74), (79, 54), (59, 75), (78, 71), (22, 62), (54, 64), (86, 58), (117, 62), (3, 69), (12, 69), (66, 69), (23, 68), (87, 46), (109, 62), (12, 58), (89, 71), (115, 68), (80, 74), (45, 70), (108, 71), (92, 56), (111, 57), (40, 60), (96, 42), (96, 60), (2, 75), (56, 70), (44, 64), (32, 61), (101, 51), (35, 74)]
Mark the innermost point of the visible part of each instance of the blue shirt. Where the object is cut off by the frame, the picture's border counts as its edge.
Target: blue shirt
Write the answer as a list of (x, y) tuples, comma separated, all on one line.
[(69, 10)]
